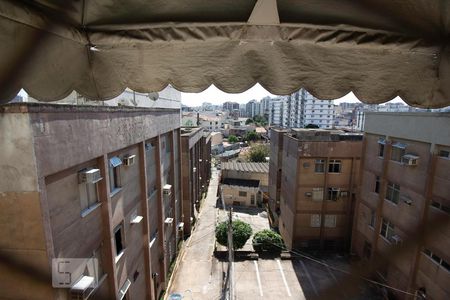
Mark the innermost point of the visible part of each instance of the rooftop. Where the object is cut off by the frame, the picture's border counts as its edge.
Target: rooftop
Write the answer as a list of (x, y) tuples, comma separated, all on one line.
[(246, 167), (325, 135), (188, 131), (241, 182)]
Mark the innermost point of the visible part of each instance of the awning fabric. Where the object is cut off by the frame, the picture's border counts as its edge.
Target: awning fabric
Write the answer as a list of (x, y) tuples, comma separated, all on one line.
[(376, 48)]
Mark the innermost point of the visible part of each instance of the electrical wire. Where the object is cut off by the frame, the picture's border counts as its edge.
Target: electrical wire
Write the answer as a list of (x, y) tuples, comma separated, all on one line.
[(344, 271)]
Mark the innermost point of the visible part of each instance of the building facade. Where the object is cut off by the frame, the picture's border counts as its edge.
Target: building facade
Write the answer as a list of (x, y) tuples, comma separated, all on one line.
[(196, 172), (317, 171), (243, 184), (101, 184), (401, 220), (301, 109)]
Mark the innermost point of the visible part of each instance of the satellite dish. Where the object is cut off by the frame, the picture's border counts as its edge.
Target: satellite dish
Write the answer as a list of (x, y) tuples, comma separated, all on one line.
[(153, 96)]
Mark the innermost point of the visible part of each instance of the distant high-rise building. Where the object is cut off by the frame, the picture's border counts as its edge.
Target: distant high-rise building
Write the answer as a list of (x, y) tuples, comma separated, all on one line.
[(253, 108), (230, 106), (300, 109)]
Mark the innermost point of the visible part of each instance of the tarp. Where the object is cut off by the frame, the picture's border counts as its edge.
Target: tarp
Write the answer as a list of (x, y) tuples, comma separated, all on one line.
[(378, 49)]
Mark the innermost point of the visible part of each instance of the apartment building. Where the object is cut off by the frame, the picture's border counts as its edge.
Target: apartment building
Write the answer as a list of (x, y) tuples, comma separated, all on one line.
[(196, 172), (404, 202), (243, 184), (275, 167), (300, 109), (100, 184), (315, 176)]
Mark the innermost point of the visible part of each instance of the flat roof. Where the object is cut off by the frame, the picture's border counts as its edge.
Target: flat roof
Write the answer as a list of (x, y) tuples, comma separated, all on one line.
[(246, 167), (187, 131), (36, 107), (241, 182), (325, 135)]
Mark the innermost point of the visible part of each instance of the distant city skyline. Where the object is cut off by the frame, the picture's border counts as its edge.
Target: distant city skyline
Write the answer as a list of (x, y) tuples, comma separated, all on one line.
[(215, 96)]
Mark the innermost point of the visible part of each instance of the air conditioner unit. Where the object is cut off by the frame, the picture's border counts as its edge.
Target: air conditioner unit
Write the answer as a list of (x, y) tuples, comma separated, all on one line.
[(200, 160), (129, 160), (396, 239), (82, 288), (308, 194), (168, 220), (89, 176), (194, 169), (410, 160), (136, 219), (167, 190)]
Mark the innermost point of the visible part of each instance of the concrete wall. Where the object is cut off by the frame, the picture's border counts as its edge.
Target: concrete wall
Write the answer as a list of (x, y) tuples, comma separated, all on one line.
[(231, 195), (55, 143), (424, 135)]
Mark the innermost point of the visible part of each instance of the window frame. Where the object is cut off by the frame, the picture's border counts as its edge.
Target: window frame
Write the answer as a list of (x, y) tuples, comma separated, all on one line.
[(333, 194), (397, 153), (392, 192), (388, 228), (319, 166), (119, 228), (377, 184), (332, 163), (242, 194)]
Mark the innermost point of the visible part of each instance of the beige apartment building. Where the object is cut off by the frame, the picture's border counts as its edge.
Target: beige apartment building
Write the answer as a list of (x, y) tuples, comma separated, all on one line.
[(316, 172), (196, 169), (95, 183), (243, 183), (402, 216)]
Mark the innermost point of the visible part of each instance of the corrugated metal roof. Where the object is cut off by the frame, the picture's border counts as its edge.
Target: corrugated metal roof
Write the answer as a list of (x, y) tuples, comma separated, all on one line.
[(246, 167)]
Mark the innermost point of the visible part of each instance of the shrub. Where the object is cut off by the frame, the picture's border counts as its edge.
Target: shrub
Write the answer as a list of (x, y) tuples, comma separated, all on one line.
[(241, 233), (267, 240), (258, 153), (232, 139)]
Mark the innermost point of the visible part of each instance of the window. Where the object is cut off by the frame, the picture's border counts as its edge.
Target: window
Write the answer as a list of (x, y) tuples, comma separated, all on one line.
[(377, 184), (441, 206), (88, 193), (118, 239), (437, 259), (444, 153), (334, 166), (333, 194), (242, 194), (393, 192), (320, 166), (315, 221), (398, 150), (114, 173), (317, 194), (330, 221), (372, 219), (252, 199), (387, 229), (381, 149)]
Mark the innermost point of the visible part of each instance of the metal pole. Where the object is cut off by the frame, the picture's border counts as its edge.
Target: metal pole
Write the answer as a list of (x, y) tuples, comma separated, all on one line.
[(230, 255)]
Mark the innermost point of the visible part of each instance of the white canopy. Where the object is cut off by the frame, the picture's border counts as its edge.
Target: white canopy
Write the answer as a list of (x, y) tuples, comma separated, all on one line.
[(376, 48)]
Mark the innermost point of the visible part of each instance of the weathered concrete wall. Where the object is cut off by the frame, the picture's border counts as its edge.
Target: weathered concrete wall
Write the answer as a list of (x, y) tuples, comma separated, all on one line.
[(23, 241)]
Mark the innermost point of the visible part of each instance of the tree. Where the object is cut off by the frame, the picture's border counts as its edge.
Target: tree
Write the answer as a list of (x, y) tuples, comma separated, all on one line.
[(258, 153), (311, 126), (251, 136), (249, 121), (232, 139), (267, 240), (241, 233)]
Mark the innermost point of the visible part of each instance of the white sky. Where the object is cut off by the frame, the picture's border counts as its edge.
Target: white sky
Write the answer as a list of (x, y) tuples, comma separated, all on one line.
[(216, 96)]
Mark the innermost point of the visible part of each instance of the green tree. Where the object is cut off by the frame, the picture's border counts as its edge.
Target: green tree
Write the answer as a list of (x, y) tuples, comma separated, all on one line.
[(241, 233), (311, 126), (267, 240), (251, 136), (249, 121), (258, 153), (232, 139)]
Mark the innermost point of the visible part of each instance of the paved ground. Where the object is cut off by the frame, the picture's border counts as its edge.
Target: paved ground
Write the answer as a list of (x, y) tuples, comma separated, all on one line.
[(199, 275)]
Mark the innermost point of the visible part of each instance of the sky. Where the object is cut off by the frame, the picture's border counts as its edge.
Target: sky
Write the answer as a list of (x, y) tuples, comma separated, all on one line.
[(215, 96)]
